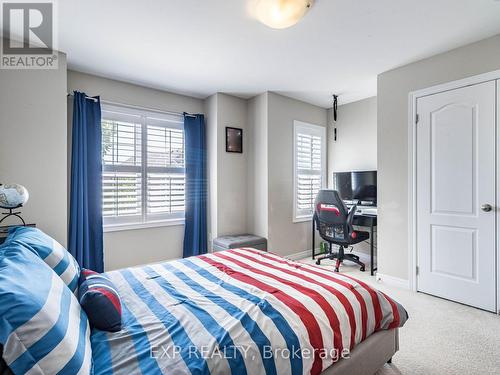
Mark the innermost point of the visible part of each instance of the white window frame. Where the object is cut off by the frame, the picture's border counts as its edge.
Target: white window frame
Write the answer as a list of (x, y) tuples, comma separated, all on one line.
[(145, 220), (304, 127)]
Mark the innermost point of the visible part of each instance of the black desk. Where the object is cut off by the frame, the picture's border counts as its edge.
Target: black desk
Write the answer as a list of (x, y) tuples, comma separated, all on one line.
[(360, 220), (369, 221)]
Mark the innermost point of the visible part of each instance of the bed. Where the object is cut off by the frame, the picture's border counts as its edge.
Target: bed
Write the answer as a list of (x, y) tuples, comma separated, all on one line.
[(241, 311), (246, 311)]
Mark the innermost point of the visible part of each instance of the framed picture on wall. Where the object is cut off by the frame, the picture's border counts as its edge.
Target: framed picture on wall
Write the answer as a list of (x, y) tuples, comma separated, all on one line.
[(234, 140)]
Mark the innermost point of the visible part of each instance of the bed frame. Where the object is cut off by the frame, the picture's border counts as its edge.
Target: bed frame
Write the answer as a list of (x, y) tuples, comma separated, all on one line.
[(366, 359), (369, 356)]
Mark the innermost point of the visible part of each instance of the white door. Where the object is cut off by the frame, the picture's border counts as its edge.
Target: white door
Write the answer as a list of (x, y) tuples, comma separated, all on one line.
[(455, 192)]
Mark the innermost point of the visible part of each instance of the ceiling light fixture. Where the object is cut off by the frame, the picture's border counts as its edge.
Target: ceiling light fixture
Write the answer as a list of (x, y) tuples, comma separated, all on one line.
[(280, 14)]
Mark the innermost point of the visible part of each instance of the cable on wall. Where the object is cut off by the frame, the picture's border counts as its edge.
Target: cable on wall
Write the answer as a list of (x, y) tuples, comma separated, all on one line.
[(335, 109)]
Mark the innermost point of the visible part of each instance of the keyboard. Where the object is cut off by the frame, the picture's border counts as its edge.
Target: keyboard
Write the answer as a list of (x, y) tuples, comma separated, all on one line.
[(367, 211)]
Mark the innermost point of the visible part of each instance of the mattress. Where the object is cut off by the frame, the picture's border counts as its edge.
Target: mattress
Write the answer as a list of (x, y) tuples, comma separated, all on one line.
[(241, 311)]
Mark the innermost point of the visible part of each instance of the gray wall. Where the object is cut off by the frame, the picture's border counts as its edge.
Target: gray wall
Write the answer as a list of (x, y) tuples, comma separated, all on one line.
[(211, 123), (356, 145), (257, 168), (286, 237), (139, 246), (232, 167), (260, 180), (33, 148), (227, 171), (393, 89)]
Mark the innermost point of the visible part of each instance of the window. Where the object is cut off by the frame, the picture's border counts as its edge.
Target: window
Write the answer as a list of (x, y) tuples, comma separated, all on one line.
[(309, 168), (143, 175)]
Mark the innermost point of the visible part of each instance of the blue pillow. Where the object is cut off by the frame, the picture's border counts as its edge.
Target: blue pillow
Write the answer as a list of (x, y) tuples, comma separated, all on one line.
[(52, 253), (100, 300), (42, 326)]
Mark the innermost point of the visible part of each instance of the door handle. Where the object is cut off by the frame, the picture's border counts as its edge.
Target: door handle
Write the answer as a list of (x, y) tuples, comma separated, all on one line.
[(486, 207)]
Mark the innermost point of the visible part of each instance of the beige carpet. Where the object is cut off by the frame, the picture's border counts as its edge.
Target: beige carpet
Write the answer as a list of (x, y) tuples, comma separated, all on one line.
[(440, 337)]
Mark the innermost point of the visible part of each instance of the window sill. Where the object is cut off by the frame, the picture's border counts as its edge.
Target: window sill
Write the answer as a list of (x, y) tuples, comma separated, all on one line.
[(153, 224)]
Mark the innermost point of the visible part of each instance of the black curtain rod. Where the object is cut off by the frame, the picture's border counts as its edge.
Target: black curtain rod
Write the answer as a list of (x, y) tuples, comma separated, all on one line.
[(86, 97), (137, 107)]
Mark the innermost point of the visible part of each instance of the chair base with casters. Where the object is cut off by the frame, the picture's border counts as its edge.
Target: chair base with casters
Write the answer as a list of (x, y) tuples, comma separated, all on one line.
[(340, 256)]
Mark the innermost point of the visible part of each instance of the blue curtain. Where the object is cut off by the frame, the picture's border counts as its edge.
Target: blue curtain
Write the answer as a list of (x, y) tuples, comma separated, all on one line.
[(85, 221), (195, 232)]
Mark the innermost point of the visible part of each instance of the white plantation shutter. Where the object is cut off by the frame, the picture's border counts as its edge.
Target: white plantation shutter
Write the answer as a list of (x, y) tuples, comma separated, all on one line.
[(166, 178), (122, 195), (166, 193), (309, 167), (143, 166), (122, 158)]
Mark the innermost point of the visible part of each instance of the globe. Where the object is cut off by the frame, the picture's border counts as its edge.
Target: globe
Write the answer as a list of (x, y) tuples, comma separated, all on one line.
[(13, 195)]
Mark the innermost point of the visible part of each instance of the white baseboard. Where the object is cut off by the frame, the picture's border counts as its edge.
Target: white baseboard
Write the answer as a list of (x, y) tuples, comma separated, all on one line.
[(300, 255), (393, 281), (308, 254)]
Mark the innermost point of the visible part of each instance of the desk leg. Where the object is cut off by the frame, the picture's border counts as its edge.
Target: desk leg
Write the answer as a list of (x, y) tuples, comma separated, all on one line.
[(372, 266)]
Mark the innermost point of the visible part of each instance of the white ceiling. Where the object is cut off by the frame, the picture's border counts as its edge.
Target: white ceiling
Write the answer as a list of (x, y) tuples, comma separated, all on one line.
[(199, 47)]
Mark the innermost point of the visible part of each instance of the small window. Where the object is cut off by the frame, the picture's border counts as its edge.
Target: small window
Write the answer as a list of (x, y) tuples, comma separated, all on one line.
[(143, 176), (309, 168)]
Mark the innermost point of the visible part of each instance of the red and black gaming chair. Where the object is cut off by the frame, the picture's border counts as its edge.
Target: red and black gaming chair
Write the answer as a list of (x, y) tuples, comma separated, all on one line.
[(334, 223)]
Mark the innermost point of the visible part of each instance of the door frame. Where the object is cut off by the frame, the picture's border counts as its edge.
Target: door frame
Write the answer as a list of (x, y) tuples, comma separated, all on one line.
[(412, 170)]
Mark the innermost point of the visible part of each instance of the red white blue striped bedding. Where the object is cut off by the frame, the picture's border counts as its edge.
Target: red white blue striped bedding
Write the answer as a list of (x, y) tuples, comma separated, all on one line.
[(238, 312)]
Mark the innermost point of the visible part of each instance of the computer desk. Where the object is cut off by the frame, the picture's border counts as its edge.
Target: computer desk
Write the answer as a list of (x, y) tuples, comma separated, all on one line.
[(360, 220), (369, 221)]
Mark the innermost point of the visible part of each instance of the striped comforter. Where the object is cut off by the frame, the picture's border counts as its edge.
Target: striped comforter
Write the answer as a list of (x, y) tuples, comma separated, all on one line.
[(238, 312)]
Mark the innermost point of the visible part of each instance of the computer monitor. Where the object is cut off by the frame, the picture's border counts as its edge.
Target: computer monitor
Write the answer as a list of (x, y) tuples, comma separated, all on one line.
[(357, 186)]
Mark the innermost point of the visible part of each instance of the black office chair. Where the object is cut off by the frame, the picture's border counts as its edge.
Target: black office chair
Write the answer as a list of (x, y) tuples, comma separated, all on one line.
[(334, 223)]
